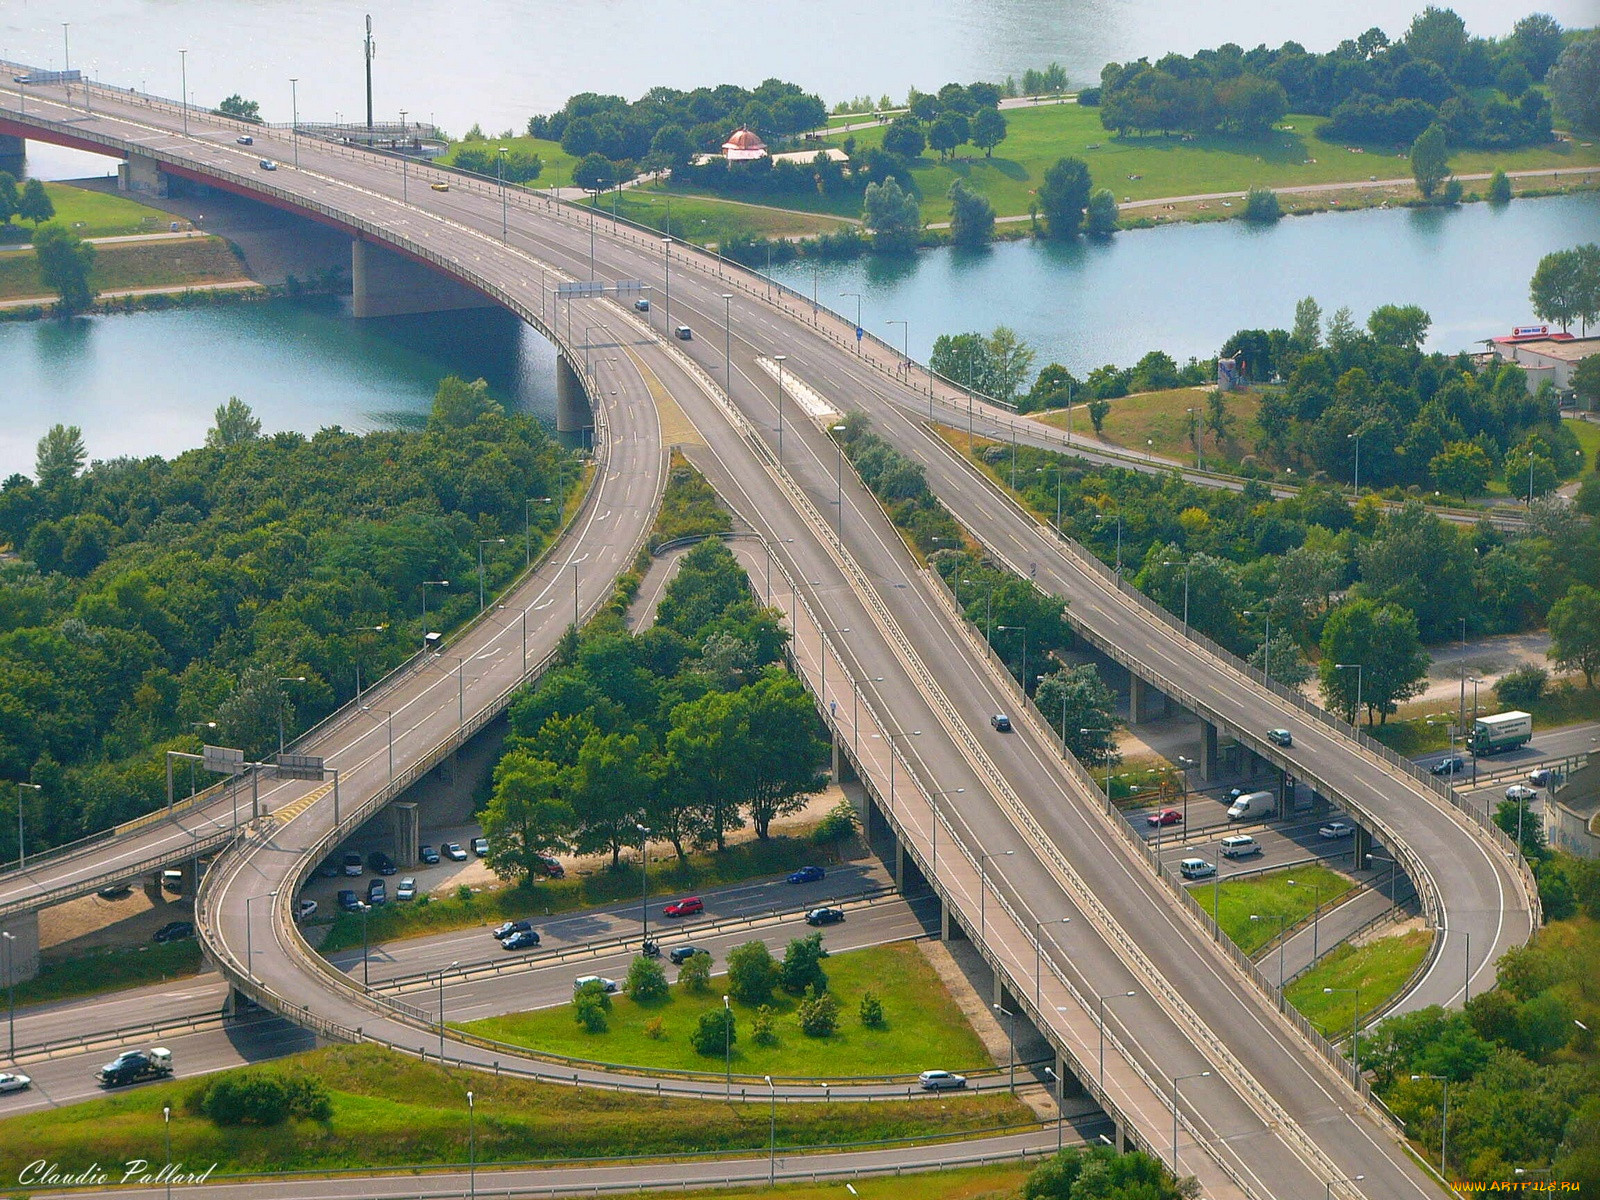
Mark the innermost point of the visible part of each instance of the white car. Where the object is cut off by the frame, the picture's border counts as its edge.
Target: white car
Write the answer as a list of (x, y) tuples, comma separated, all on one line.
[(454, 852), (407, 889), (305, 910), (1518, 794), (10, 1081), (939, 1081), (1335, 830), (1196, 868), (606, 985)]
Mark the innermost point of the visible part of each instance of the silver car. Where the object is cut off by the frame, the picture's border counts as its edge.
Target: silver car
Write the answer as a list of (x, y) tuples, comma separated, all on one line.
[(939, 1081)]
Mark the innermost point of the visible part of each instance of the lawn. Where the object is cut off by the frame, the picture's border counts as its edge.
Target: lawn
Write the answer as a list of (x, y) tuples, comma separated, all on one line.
[(178, 263), (703, 219), (748, 860), (1378, 970), (1158, 422), (923, 1029), (969, 1183), (112, 970), (390, 1111), (558, 163), (93, 214), (1290, 893)]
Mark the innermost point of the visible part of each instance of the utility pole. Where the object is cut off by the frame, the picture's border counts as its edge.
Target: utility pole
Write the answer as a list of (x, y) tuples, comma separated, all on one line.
[(369, 50)]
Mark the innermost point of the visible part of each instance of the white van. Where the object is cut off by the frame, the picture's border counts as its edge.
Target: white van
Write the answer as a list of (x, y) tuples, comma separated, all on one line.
[(1240, 845), (1254, 805), (1196, 868)]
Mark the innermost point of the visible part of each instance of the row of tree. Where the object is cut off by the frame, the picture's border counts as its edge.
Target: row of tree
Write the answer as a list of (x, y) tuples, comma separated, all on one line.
[(690, 728), (29, 201), (1566, 288)]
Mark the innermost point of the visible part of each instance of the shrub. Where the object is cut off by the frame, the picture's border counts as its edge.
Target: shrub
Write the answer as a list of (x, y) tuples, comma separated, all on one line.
[(1261, 204), (1523, 687), (464, 893), (694, 975), (763, 1030), (716, 1033), (872, 1011), (1499, 187), (802, 966), (752, 974), (655, 1029), (818, 1014), (265, 1097), (590, 1004), (839, 824), (646, 982)]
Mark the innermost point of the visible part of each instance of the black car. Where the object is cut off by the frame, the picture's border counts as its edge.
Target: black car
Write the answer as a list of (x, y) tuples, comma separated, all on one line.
[(381, 863), (115, 892), (682, 954), (174, 931), (522, 939), (513, 927), (1448, 766), (825, 916), (377, 893), (348, 900), (1001, 722)]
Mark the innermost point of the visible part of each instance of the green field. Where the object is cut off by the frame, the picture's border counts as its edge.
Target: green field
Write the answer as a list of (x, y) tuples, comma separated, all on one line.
[(1267, 896), (923, 1029), (1378, 970), (747, 860), (111, 971), (93, 214), (1158, 423), (119, 265), (702, 219), (970, 1183), (391, 1111), (558, 163)]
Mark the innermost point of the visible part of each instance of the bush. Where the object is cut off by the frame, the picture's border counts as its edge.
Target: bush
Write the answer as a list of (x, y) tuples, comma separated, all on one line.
[(802, 966), (839, 824), (716, 1033), (655, 1029), (694, 975), (752, 973), (1523, 687), (646, 982), (1261, 204), (763, 1031), (265, 1097), (590, 1004), (872, 1011), (818, 1014)]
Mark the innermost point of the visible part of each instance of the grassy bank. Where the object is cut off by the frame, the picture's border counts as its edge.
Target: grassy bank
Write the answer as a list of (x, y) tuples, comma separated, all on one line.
[(748, 860), (1374, 972), (391, 1111), (94, 214), (111, 971), (118, 265), (923, 1027), (1159, 423), (971, 1183), (704, 220), (1292, 894)]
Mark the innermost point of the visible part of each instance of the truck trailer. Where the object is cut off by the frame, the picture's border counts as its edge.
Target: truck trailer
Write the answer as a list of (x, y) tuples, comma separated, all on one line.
[(1503, 731), (136, 1066)]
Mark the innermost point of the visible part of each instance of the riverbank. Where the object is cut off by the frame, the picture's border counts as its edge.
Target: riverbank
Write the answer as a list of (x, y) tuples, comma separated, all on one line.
[(127, 267)]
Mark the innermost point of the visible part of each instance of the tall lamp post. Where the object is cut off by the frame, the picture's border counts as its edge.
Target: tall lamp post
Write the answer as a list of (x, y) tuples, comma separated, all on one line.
[(1176, 1080), (1185, 566), (1444, 1120), (857, 298), (294, 115), (1355, 1022), (727, 342), (249, 936), (727, 1048), (1266, 646), (1282, 921), (1101, 1002), (779, 359), (183, 72), (644, 879), (1356, 438), (933, 804), (22, 852), (1316, 918), (442, 974), (1356, 667), (1011, 1041), (772, 1134), (282, 697), (1038, 958), (983, 891), (1022, 674), (388, 723), (1327, 1191), (666, 302), (426, 584), (500, 172), (11, 988), (838, 480), (472, 1147)]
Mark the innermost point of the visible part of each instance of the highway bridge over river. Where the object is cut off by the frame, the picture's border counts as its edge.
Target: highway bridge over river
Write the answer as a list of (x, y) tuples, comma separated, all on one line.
[(1201, 1061)]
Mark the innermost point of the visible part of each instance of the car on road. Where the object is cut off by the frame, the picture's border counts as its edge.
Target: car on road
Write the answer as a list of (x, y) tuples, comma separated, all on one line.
[(480, 846), (806, 875), (381, 863), (825, 916), (244, 139), (682, 954), (115, 892), (174, 931), (305, 910), (268, 165), (11, 1081), (1521, 794), (506, 930), (440, 187), (684, 333), (1280, 737), (641, 305), (1240, 845), (686, 907), (454, 852), (606, 985), (523, 939), (1453, 765), (348, 900), (1001, 722), (1196, 868), (940, 1081), (407, 889), (1334, 830), (1165, 816), (377, 893), (352, 863), (1543, 777), (428, 855)]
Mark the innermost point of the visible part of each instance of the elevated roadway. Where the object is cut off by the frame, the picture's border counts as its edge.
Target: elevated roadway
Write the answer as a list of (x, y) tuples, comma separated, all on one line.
[(1274, 1118)]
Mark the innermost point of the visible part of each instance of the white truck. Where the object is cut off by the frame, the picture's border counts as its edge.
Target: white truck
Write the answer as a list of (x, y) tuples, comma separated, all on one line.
[(136, 1066), (1503, 731), (1253, 805)]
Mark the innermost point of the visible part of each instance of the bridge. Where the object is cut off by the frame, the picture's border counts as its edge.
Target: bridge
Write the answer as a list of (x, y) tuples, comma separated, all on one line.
[(1203, 1064)]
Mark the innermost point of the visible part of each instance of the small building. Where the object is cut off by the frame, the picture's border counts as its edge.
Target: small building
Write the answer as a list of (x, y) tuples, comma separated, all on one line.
[(1544, 355), (744, 145)]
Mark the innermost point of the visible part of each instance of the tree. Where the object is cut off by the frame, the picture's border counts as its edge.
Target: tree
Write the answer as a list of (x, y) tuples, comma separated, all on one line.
[(1307, 333), (802, 965), (1085, 708), (1380, 639), (1101, 215), (646, 982), (1499, 191), (752, 973), (1099, 410), (671, 147), (1012, 362), (1557, 288), (594, 173), (10, 197), (1528, 470), (694, 973), (893, 215), (1575, 82), (35, 204), (1063, 195), (1523, 687), (1536, 40), (948, 132), (1430, 155), (526, 817), (237, 106), (818, 1013), (1462, 468), (59, 457), (716, 1034), (904, 137), (1586, 380), (971, 215), (871, 1011), (235, 424), (764, 1029), (1403, 325), (988, 130), (65, 261), (1261, 205), (708, 774), (1218, 419), (590, 1006), (1575, 631), (1289, 665), (1103, 1174)]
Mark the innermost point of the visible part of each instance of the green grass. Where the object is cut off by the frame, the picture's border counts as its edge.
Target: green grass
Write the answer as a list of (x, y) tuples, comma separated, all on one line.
[(1270, 895), (1159, 423), (1379, 970), (748, 860), (969, 1183), (132, 265), (111, 971), (558, 163), (703, 219), (93, 214), (389, 1111), (1408, 733), (924, 1027)]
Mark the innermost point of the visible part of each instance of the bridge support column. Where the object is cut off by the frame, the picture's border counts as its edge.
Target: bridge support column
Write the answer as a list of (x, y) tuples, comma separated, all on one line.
[(405, 833), (573, 414), (899, 866), (1067, 1084), (1360, 849), (1119, 1137), (13, 155), (142, 175), (20, 949), (385, 283), (1208, 750), (1135, 697)]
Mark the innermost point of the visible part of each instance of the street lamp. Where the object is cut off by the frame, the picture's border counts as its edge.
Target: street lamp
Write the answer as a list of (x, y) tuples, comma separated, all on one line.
[(644, 879), (1355, 1022), (1022, 674), (933, 803), (388, 722), (1118, 518), (1266, 651), (1466, 959), (1327, 1191), (1057, 469), (1185, 565), (779, 359), (1011, 1038), (527, 526), (772, 1134), (183, 96), (983, 889), (249, 937), (426, 584), (1101, 1002), (500, 171), (166, 1128), (22, 855), (1316, 917), (1038, 938), (838, 481), (727, 342), (294, 115), (666, 302), (11, 987), (482, 542), (472, 1147), (442, 974), (1444, 1119), (857, 296), (727, 1048), (282, 697), (1356, 667), (1356, 438), (1176, 1080), (1282, 921), (1194, 415), (822, 658), (988, 606)]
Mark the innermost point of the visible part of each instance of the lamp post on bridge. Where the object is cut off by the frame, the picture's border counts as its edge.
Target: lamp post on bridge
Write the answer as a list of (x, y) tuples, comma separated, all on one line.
[(183, 71), (22, 857), (294, 116)]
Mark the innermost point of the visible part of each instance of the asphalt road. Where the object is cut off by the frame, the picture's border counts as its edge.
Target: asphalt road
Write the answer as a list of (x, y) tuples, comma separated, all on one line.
[(1016, 802)]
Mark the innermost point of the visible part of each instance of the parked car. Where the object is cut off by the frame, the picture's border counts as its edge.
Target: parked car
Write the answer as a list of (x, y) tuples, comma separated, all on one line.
[(686, 907), (506, 930), (1453, 765), (348, 900), (1543, 777), (115, 892), (940, 1081), (381, 863), (1520, 794), (428, 855), (377, 893), (305, 910), (352, 863), (244, 139), (11, 1081), (174, 931), (329, 869), (825, 916), (606, 985), (1001, 722), (641, 304), (480, 846), (407, 889), (552, 867), (1165, 816), (1280, 737), (523, 939), (1196, 868), (682, 954), (806, 875), (1334, 830), (454, 852)]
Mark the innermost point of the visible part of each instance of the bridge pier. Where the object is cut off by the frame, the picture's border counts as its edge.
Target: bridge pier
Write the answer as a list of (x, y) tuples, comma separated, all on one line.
[(1208, 750), (573, 414), (19, 950), (1135, 697), (13, 155), (405, 833), (1360, 848), (1068, 1085), (142, 175), (384, 283)]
